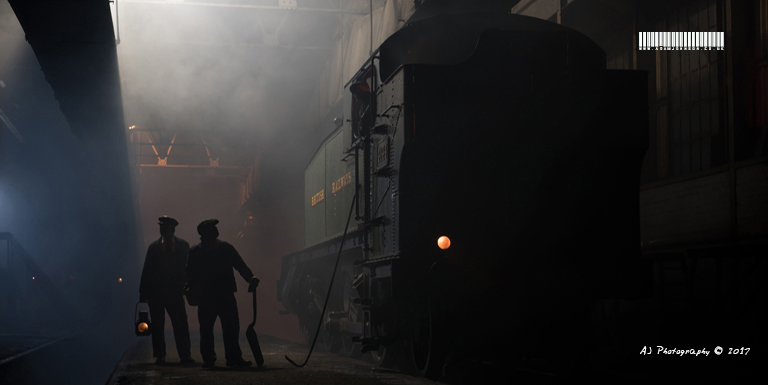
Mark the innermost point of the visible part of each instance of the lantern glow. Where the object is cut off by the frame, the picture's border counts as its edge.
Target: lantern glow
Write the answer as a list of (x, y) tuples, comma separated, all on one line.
[(443, 242), (143, 326)]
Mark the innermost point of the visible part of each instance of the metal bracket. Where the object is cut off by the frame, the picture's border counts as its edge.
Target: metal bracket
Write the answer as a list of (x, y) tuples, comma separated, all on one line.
[(389, 108), (376, 261), (384, 172), (381, 129), (379, 221)]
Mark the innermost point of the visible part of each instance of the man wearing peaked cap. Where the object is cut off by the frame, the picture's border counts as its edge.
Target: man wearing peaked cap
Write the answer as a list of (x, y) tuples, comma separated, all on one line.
[(209, 271), (167, 220), (162, 288), (207, 225)]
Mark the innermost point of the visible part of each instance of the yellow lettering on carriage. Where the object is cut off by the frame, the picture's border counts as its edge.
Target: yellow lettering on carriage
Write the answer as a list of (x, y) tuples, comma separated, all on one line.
[(319, 197), (342, 182)]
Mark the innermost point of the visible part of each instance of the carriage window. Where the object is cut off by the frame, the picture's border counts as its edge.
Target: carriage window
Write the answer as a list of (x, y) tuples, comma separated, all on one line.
[(689, 136), (758, 106), (762, 22)]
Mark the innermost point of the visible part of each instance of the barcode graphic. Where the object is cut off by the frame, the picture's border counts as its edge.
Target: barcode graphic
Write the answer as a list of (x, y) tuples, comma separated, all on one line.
[(681, 41)]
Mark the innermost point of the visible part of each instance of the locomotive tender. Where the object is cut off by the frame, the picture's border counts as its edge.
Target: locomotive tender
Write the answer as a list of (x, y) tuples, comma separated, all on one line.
[(507, 135)]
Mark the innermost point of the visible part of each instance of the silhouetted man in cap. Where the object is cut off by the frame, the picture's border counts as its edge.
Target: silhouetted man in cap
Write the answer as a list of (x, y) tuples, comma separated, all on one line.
[(162, 287), (210, 274)]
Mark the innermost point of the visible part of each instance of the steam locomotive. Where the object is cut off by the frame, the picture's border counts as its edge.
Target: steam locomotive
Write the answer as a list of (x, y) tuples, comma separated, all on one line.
[(479, 191)]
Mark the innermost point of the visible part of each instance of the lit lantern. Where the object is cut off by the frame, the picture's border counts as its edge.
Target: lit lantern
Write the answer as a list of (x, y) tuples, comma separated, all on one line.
[(143, 325), (120, 280), (443, 242)]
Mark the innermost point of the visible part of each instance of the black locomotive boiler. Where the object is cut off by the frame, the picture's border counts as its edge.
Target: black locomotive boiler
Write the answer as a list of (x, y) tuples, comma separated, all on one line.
[(490, 167)]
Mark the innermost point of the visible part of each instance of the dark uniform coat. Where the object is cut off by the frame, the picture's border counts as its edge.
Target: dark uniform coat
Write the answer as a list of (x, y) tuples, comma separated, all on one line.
[(212, 280), (164, 269), (162, 286), (210, 271)]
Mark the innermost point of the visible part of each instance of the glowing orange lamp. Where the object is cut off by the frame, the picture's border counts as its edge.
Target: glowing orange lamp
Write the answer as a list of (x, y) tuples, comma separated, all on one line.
[(443, 242), (143, 326)]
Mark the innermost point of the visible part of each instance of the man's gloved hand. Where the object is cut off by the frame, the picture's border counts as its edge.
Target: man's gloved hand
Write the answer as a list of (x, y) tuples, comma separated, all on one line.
[(253, 284)]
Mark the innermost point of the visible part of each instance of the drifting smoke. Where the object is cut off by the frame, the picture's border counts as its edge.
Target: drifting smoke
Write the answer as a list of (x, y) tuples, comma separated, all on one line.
[(191, 67), (244, 78)]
